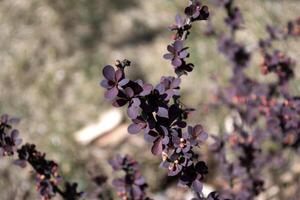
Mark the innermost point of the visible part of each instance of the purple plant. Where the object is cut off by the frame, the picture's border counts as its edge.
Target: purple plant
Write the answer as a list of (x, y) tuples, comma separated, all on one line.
[(255, 102), (158, 112), (47, 177), (279, 64), (195, 11), (236, 53), (113, 79), (234, 18), (265, 125), (293, 27), (9, 138), (176, 53), (133, 185)]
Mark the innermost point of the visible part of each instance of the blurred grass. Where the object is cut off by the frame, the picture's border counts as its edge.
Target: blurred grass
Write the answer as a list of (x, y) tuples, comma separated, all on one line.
[(52, 53)]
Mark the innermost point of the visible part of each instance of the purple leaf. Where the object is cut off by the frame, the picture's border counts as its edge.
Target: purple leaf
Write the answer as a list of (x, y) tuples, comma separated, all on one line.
[(150, 136), (104, 83), (170, 94), (119, 74), (176, 62), (123, 82), (18, 141), (14, 134), (139, 180), (168, 56), (198, 129), (109, 72), (160, 88), (135, 128), (183, 54), (136, 192), (165, 130), (129, 92), (181, 124), (171, 49), (197, 186), (157, 146), (175, 83), (178, 45), (162, 112), (116, 163), (132, 112), (179, 20), (147, 88), (118, 182), (166, 140), (119, 102), (112, 93)]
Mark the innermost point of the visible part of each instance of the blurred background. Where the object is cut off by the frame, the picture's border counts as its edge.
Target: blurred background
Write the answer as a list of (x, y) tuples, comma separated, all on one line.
[(51, 57)]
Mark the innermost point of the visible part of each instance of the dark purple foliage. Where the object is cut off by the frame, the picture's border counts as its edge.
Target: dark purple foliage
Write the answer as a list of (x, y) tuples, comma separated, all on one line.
[(157, 111), (279, 64), (293, 27), (266, 111), (133, 185), (196, 11), (9, 138), (47, 177), (176, 53), (112, 81), (236, 53), (234, 18)]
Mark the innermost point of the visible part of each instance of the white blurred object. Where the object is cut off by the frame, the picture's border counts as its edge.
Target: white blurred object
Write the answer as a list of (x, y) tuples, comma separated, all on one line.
[(228, 122), (179, 193), (107, 122), (113, 138), (206, 190)]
